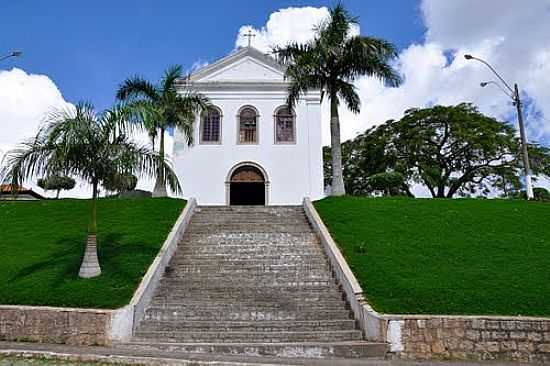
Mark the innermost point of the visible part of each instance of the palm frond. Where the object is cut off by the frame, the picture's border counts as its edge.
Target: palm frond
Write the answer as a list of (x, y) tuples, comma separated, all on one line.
[(369, 56), (348, 92), (171, 75), (137, 87)]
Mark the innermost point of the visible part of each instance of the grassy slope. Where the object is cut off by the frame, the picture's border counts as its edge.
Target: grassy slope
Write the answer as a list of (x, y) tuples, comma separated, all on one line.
[(42, 242), (446, 256)]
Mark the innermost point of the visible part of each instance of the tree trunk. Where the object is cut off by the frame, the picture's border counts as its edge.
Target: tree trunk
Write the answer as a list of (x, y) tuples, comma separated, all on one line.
[(90, 264), (160, 184), (57, 195), (337, 185)]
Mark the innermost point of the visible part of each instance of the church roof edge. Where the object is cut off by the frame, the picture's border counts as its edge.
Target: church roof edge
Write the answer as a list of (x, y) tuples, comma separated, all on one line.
[(234, 56)]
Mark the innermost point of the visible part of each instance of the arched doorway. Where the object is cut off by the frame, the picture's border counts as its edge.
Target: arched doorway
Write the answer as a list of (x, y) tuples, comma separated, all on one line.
[(247, 185)]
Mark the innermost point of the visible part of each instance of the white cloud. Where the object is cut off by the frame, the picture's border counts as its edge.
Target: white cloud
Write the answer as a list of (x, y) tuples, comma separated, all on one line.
[(285, 26), (24, 100)]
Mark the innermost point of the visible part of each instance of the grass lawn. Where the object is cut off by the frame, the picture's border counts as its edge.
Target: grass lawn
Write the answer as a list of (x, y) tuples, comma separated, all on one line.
[(42, 243), (429, 256)]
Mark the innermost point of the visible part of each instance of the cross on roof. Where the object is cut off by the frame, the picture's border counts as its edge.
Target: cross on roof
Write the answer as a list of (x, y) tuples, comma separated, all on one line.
[(249, 35)]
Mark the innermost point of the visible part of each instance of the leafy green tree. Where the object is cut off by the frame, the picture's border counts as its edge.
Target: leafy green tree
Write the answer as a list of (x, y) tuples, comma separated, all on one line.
[(161, 107), (458, 150), (365, 156), (56, 183), (331, 62), (89, 146)]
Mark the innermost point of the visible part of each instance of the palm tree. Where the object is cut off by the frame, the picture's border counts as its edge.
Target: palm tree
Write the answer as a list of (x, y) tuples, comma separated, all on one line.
[(160, 107), (331, 62), (93, 147)]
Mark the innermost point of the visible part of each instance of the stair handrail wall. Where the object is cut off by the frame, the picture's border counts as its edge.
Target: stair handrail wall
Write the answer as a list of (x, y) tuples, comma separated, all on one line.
[(370, 322), (143, 295)]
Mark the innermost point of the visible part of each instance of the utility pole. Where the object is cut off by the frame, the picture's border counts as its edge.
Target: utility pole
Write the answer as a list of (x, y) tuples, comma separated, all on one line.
[(524, 146)]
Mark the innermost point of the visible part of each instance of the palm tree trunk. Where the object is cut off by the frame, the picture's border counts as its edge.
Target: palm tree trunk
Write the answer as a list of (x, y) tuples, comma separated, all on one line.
[(160, 184), (90, 264), (337, 186)]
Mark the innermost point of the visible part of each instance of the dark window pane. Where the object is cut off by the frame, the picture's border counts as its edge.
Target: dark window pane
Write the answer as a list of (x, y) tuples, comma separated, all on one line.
[(284, 126), (211, 125)]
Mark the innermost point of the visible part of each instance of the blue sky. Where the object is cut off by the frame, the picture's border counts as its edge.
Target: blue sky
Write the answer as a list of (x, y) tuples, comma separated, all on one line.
[(88, 47)]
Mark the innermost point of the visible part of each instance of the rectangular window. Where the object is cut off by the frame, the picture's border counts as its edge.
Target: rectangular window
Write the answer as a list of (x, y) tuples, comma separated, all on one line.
[(210, 131)]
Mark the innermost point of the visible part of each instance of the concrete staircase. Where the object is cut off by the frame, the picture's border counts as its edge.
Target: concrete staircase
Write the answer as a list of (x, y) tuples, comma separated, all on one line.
[(251, 280)]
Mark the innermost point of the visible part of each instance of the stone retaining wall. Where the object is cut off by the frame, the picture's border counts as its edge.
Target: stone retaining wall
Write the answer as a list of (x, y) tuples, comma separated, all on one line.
[(55, 325), (470, 338)]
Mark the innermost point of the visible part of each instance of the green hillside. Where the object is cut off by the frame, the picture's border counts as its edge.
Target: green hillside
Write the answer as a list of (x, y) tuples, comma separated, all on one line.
[(431, 256), (42, 244)]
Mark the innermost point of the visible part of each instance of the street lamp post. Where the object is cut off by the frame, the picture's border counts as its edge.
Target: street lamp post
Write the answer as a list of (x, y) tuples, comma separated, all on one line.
[(514, 95), (13, 54)]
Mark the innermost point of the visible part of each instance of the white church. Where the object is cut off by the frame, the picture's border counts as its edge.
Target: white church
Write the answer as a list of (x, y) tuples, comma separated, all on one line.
[(249, 148)]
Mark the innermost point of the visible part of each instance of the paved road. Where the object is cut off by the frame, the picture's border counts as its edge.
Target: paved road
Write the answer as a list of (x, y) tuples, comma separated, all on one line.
[(33, 354)]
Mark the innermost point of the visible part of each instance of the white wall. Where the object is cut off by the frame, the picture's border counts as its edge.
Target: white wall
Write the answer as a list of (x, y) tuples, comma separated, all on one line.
[(294, 171)]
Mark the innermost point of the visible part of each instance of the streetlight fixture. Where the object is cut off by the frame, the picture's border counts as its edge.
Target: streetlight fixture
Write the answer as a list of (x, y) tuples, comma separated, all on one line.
[(514, 95), (492, 82), (13, 54)]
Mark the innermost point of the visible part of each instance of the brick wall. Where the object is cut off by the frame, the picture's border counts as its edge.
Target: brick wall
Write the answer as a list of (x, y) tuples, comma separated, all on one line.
[(55, 325), (470, 338)]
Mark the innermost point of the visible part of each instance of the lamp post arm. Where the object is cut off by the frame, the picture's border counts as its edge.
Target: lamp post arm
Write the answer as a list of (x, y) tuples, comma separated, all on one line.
[(494, 72), (511, 96)]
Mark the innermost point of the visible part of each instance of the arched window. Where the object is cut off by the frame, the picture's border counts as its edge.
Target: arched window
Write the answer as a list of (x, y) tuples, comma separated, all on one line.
[(211, 126), (285, 129), (248, 126)]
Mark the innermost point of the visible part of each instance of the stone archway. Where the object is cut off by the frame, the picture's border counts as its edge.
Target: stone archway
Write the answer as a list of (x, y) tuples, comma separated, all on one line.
[(247, 184)]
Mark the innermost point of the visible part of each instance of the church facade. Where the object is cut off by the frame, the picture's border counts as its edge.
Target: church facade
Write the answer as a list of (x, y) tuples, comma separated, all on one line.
[(249, 148)]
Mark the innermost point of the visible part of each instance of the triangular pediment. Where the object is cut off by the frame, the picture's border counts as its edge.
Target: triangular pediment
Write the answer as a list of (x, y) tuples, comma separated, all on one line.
[(245, 65)]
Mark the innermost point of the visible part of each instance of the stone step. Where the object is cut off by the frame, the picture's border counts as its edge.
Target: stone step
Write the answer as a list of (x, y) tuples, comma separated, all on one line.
[(252, 291), (255, 256), (244, 208), (253, 337), (227, 284), (250, 223), (166, 314), (171, 305), (257, 249), (280, 275), (242, 263), (250, 252), (304, 296), (248, 326), (310, 350), (242, 229), (250, 303), (250, 269), (215, 219), (220, 243), (240, 280), (281, 238)]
